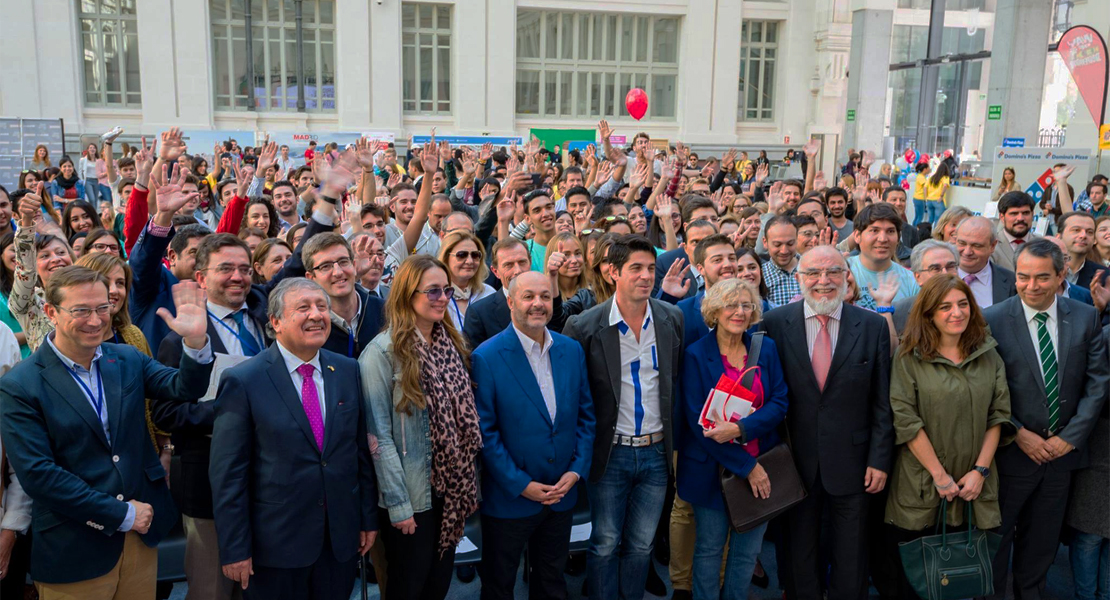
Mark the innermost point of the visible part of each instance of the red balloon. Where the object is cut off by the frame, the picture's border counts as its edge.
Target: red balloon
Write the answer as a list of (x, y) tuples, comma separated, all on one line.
[(924, 158), (637, 103), (910, 155)]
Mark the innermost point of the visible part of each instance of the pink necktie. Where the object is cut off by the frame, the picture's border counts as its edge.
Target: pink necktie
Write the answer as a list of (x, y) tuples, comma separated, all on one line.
[(970, 278), (311, 400), (822, 352)]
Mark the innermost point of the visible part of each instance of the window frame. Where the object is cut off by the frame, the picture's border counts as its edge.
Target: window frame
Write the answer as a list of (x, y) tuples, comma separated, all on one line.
[(121, 33), (615, 72), (435, 32), (266, 30), (766, 99)]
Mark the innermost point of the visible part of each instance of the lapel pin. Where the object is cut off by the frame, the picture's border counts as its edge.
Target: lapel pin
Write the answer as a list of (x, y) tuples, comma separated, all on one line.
[(331, 368)]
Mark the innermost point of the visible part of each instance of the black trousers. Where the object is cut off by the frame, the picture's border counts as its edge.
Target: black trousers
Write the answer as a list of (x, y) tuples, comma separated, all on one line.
[(1033, 508), (15, 576), (848, 545), (547, 537), (326, 579), (414, 567)]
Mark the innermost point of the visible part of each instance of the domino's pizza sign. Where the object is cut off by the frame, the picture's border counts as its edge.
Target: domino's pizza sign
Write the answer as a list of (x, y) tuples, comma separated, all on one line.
[(1033, 166)]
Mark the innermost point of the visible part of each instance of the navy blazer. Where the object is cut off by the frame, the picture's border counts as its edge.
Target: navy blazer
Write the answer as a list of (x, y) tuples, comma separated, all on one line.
[(520, 443), (78, 481), (663, 264), (369, 325), (151, 286), (699, 457), (274, 492), (490, 316)]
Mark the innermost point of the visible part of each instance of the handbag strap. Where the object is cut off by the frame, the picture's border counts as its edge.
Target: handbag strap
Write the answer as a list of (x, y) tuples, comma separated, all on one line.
[(753, 359), (942, 522)]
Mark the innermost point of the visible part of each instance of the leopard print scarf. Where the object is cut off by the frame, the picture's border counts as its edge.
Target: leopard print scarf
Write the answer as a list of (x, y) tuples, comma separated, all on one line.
[(454, 431)]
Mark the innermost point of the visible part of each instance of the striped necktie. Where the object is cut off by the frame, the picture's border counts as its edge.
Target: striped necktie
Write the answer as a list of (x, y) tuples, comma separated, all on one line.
[(1049, 366)]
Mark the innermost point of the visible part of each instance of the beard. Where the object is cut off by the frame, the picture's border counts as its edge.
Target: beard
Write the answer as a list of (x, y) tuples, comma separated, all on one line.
[(823, 306)]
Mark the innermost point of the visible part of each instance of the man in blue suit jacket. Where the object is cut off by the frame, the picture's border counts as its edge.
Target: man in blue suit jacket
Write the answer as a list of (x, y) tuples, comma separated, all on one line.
[(74, 425), (538, 435), (293, 487)]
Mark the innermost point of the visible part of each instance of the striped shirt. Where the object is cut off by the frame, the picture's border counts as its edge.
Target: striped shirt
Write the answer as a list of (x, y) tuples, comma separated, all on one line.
[(813, 326), (639, 412)]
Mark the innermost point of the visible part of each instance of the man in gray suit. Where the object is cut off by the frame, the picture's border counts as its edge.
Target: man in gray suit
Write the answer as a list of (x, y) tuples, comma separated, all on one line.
[(1015, 211), (989, 283), (929, 259), (633, 346), (1057, 371)]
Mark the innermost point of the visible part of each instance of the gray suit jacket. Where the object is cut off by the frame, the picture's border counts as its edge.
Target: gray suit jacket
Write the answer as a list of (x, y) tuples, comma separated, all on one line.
[(601, 342), (902, 309), (1083, 368), (1003, 254), (1002, 282)]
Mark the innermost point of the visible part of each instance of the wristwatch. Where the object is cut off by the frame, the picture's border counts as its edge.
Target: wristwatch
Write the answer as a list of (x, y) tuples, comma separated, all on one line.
[(169, 448), (984, 471)]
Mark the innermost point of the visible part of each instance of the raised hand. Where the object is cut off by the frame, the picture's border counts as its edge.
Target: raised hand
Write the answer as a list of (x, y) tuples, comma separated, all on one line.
[(639, 176), (811, 148), (819, 181), (367, 250), (729, 160), (486, 152), (774, 197), (604, 130), (604, 172), (512, 165), (555, 262), (664, 208), (365, 150), (707, 171), (429, 159), (1061, 175), (682, 153), (191, 320), (591, 154), (244, 173), (170, 197), (761, 173), (829, 237), (887, 290), (267, 157), (172, 145), (675, 282), (144, 162), (30, 207), (339, 175), (506, 208), (868, 158), (470, 163)]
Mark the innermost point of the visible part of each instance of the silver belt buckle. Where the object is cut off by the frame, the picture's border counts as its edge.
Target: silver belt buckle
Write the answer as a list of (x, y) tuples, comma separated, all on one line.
[(641, 441)]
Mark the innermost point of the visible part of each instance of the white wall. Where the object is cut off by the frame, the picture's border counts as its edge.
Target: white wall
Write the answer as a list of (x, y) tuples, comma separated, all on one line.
[(40, 70)]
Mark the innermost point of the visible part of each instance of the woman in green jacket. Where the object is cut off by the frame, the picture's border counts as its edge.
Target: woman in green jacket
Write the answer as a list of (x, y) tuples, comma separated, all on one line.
[(951, 403)]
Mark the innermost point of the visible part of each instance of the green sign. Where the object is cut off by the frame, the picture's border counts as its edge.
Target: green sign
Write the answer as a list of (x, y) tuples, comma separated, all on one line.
[(851, 115), (994, 112)]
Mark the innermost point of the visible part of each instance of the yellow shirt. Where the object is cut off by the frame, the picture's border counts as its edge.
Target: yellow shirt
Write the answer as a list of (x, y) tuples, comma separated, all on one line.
[(919, 186), (935, 193)]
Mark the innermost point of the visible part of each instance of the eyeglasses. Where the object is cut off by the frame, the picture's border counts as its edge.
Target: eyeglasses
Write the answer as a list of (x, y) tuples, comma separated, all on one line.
[(343, 264), (936, 269), (378, 254), (742, 307), (105, 247), (226, 270), (84, 312), (473, 255), (831, 273), (435, 294)]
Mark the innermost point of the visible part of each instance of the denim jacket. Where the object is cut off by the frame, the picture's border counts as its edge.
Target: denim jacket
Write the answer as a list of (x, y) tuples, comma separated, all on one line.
[(400, 443)]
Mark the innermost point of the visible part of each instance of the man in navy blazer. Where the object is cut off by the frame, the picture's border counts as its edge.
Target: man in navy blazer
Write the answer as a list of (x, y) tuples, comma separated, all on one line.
[(294, 494), (490, 315), (538, 435), (73, 419)]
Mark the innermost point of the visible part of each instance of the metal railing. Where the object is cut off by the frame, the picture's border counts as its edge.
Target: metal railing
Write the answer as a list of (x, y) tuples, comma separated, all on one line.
[(1051, 137)]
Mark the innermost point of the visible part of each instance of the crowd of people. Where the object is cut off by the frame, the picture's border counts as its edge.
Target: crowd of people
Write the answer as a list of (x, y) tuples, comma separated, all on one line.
[(355, 356)]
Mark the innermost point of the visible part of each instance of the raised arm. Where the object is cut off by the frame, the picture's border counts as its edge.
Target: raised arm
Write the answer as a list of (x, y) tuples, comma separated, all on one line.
[(429, 160)]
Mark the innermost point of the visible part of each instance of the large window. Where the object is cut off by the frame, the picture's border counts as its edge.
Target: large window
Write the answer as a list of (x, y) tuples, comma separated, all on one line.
[(269, 69), (759, 53), (426, 58), (581, 65), (110, 42)]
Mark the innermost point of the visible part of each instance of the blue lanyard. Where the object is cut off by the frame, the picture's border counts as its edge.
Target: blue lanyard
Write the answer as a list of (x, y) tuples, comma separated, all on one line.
[(350, 345), (115, 336), (235, 332), (458, 313), (98, 400)]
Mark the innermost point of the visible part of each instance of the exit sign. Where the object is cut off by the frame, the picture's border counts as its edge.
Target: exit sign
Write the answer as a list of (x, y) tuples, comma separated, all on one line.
[(994, 112), (851, 115)]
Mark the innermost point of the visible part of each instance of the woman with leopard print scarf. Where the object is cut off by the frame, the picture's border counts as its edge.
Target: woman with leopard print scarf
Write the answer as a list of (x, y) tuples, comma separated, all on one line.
[(425, 437)]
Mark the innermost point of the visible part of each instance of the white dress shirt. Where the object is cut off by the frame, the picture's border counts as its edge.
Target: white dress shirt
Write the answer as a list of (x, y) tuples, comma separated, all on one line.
[(981, 286), (639, 412), (813, 326), (229, 335), (1053, 325), (292, 363), (539, 358)]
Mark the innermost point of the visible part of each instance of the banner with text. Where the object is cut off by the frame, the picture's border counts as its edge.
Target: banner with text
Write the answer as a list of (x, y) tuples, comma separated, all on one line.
[(1084, 53)]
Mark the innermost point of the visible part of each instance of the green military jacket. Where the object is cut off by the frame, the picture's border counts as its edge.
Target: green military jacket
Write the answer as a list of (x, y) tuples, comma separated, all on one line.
[(955, 404)]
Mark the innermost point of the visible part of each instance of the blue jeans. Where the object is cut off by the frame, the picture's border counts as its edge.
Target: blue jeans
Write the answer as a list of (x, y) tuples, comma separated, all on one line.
[(625, 506), (935, 209), (918, 211), (92, 192), (1090, 566), (713, 529)]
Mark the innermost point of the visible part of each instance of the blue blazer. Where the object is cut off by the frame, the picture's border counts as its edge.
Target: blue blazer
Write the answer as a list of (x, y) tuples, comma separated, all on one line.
[(520, 442), (273, 491), (78, 481), (699, 457), (151, 287)]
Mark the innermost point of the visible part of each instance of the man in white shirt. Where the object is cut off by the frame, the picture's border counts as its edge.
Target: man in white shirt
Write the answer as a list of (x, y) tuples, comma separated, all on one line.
[(538, 438), (989, 283), (285, 164), (630, 341)]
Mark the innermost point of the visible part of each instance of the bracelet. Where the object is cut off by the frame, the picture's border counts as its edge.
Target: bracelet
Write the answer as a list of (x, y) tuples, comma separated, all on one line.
[(333, 201), (951, 483), (168, 448)]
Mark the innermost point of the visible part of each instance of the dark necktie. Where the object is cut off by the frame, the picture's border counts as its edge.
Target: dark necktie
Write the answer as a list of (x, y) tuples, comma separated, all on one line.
[(250, 346)]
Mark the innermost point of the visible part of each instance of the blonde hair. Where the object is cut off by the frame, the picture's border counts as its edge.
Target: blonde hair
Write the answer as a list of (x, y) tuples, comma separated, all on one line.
[(400, 319), (727, 293), (584, 277), (454, 239), (957, 213)]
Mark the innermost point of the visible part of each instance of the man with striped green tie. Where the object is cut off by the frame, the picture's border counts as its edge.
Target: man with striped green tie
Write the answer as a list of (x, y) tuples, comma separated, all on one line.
[(1057, 371)]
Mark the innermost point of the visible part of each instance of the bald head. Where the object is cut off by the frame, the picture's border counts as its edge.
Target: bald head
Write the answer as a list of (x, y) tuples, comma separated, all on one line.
[(1059, 243), (975, 241), (823, 255), (530, 301)]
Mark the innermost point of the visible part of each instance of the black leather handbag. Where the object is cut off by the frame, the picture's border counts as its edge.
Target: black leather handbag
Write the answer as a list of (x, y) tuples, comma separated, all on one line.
[(745, 511), (948, 566)]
